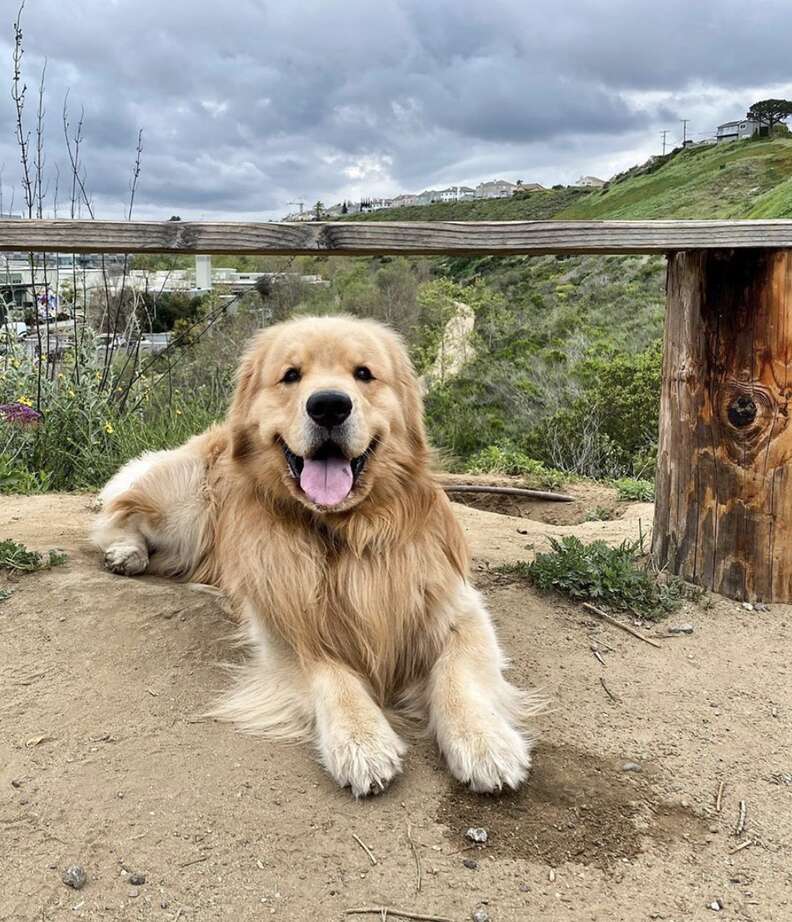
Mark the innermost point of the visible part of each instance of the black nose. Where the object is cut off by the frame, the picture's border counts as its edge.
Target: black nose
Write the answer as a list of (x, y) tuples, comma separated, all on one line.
[(329, 408)]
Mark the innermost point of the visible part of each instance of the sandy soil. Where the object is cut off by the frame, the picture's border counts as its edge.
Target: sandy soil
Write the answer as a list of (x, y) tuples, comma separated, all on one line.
[(105, 762)]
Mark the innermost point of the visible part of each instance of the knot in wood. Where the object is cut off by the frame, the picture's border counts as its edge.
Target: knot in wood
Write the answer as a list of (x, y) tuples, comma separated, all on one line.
[(742, 411)]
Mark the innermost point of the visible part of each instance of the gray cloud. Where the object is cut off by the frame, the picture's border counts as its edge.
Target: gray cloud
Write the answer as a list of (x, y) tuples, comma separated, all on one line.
[(248, 105)]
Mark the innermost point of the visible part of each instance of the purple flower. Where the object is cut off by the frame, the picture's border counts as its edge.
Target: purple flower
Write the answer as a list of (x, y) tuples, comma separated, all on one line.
[(19, 413)]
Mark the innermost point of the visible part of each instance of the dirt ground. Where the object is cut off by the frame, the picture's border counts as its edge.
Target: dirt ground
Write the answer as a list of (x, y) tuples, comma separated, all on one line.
[(105, 762)]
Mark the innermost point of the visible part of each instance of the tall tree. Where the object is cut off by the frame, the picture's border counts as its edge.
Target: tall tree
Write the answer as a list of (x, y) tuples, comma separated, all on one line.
[(770, 112)]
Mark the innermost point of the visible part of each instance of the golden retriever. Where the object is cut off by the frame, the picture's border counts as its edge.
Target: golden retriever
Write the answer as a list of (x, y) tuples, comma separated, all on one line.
[(312, 507)]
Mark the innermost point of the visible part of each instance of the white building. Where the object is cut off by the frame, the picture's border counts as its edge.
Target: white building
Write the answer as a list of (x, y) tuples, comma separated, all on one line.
[(590, 182), (737, 131), (495, 188), (405, 200)]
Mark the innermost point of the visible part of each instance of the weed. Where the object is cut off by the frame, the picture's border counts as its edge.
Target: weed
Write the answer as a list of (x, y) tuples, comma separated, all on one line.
[(635, 491), (597, 572), (17, 558)]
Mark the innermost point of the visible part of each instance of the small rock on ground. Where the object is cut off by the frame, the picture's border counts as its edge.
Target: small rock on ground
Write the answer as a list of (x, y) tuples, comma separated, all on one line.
[(136, 878), (470, 863), (74, 876), (476, 834), (481, 915), (631, 767)]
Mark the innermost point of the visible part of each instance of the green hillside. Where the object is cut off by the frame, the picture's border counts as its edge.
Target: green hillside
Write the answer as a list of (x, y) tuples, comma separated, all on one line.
[(567, 365), (742, 179)]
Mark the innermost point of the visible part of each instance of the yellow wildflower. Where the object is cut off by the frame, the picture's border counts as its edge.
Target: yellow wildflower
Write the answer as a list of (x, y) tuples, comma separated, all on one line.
[(25, 400), (178, 412), (71, 393), (108, 428)]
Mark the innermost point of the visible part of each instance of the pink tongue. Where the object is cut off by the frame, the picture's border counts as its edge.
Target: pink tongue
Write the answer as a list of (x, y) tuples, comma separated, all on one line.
[(328, 482)]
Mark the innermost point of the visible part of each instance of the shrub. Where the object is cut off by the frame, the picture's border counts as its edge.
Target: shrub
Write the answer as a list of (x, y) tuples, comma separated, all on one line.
[(17, 558), (635, 491), (603, 574), (506, 459)]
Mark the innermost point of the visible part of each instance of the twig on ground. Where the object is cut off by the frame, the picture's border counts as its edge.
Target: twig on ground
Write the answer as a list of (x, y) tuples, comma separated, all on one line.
[(616, 623), (365, 848), (719, 796), (417, 857), (608, 692), (741, 820), (186, 864), (508, 491), (598, 655), (390, 911), (741, 846)]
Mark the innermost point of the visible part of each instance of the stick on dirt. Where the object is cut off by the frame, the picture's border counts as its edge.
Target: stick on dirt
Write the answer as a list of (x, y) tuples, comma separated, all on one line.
[(625, 627), (719, 797), (741, 820), (365, 848), (608, 692), (741, 846), (417, 857), (390, 911), (508, 491)]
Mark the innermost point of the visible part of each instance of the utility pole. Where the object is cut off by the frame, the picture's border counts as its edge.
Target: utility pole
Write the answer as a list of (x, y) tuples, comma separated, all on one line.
[(684, 129), (663, 136)]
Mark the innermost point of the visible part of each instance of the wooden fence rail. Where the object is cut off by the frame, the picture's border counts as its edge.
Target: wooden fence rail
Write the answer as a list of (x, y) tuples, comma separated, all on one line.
[(408, 238), (723, 515)]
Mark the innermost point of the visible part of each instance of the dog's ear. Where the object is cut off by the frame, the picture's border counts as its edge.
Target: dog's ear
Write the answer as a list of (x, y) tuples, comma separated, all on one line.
[(246, 380), (411, 400)]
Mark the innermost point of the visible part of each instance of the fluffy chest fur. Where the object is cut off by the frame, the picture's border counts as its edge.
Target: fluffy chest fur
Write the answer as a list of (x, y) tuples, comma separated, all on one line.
[(354, 590)]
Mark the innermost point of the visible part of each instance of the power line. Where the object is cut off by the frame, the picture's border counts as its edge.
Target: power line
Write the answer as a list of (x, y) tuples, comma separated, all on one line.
[(684, 129), (663, 136)]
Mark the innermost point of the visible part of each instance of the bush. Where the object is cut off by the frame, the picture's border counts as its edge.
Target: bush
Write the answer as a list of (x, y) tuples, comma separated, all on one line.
[(17, 558), (506, 459), (635, 491), (603, 574)]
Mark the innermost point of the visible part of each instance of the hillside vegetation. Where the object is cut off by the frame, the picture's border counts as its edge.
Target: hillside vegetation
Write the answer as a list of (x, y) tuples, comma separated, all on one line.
[(566, 351)]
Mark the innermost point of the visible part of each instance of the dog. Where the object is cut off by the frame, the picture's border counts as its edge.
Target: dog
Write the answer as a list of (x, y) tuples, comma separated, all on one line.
[(313, 508)]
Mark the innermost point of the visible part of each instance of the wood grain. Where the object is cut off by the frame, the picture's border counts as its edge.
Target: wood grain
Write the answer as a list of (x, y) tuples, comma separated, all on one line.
[(408, 237), (723, 516)]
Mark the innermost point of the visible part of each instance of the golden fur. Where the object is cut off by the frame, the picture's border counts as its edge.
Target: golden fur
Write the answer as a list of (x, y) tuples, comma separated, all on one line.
[(349, 609)]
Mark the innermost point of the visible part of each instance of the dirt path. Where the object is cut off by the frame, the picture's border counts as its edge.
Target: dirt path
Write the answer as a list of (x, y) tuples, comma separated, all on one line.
[(104, 762)]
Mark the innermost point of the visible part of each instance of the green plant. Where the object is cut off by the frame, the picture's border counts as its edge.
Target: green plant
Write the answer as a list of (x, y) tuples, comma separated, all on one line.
[(17, 558), (597, 572), (506, 459), (599, 514), (635, 491)]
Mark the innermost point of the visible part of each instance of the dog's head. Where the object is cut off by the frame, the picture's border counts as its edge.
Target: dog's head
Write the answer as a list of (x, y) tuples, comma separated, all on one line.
[(327, 409)]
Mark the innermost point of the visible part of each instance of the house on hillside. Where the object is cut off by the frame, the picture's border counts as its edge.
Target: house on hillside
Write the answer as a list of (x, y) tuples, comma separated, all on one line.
[(740, 130), (456, 194), (528, 187), (405, 200), (495, 188), (590, 182)]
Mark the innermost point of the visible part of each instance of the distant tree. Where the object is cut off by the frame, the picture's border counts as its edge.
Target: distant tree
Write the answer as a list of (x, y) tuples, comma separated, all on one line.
[(174, 217), (344, 208), (770, 112), (318, 211)]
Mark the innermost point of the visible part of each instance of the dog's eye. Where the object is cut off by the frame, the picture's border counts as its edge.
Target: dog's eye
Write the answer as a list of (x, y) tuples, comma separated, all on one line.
[(292, 376), (362, 373)]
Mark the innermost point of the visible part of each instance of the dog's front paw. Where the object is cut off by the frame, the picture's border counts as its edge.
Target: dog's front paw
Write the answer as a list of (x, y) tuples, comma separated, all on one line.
[(365, 761), (126, 559), (488, 758)]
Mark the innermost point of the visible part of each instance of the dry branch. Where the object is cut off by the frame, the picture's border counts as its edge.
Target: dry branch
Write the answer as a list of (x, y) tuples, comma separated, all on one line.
[(620, 624)]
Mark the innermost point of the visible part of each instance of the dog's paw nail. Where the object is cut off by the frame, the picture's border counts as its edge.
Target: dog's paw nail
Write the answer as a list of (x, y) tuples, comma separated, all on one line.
[(126, 560)]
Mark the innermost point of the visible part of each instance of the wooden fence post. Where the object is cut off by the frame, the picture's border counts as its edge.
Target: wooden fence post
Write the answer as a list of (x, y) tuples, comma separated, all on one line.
[(723, 516)]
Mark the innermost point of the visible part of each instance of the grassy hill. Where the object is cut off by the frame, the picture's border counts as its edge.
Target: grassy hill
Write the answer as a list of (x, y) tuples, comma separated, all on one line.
[(567, 367)]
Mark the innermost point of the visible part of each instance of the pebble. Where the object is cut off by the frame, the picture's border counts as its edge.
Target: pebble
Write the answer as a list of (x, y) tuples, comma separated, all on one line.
[(476, 834), (761, 606), (74, 876), (133, 893), (470, 863), (681, 629), (481, 915), (748, 607), (631, 767), (715, 905), (136, 878)]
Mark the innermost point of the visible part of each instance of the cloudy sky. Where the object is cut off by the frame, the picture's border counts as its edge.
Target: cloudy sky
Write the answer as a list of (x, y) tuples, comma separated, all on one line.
[(247, 105)]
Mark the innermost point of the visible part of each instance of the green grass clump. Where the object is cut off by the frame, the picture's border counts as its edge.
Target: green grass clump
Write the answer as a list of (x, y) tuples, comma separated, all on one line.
[(506, 459), (17, 558), (599, 573), (635, 491)]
